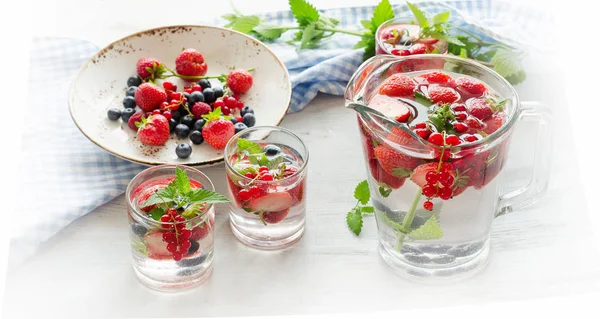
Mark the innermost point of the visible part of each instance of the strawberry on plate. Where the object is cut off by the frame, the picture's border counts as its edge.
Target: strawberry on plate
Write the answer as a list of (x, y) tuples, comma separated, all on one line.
[(239, 81), (149, 96), (190, 62), (153, 130), (442, 94), (149, 68), (218, 129), (391, 160), (398, 85)]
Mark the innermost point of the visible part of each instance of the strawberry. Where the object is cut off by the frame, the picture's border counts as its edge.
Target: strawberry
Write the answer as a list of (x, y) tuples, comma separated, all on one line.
[(239, 81), (199, 232), (145, 194), (471, 87), (149, 96), (153, 130), (479, 108), (384, 177), (442, 94), (218, 129), (234, 188), (136, 117), (149, 68), (392, 107), (275, 217), (418, 176), (157, 247), (391, 160), (437, 77), (199, 109), (190, 62), (421, 48), (474, 124), (399, 136), (272, 202), (492, 124), (298, 192), (398, 85)]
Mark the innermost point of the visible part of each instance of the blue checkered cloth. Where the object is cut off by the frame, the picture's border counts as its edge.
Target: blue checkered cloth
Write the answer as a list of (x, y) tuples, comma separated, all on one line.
[(70, 176)]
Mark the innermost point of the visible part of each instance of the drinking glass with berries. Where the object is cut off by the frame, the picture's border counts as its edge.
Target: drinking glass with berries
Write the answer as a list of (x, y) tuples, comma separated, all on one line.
[(171, 216), (435, 166), (266, 173)]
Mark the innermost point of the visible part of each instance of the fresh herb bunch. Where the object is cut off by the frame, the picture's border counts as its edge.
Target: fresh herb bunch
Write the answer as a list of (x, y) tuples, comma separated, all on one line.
[(313, 26)]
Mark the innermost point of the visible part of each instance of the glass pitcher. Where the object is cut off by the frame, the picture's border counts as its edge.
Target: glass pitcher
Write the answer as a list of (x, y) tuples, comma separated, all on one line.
[(421, 235)]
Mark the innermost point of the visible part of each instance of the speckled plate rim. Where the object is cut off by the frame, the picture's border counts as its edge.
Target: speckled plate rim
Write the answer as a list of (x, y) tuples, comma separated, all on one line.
[(210, 162)]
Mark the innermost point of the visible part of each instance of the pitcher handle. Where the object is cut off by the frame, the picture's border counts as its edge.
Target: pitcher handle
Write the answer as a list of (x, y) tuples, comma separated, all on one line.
[(540, 114)]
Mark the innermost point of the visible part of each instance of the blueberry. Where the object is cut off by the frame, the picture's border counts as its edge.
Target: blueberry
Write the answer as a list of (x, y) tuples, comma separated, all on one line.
[(172, 124), (272, 150), (209, 95), (126, 114), (183, 111), (186, 95), (196, 97), (194, 246), (196, 137), (218, 91), (239, 127), (114, 114), (134, 81), (131, 91), (182, 130), (233, 120), (204, 83), (249, 119), (199, 124), (246, 109), (183, 150), (288, 158), (188, 120), (405, 40), (176, 115), (191, 261), (129, 102), (138, 229)]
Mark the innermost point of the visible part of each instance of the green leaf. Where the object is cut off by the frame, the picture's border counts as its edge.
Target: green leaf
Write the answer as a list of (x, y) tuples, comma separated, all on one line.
[(307, 36), (140, 247), (156, 213), (401, 172), (367, 209), (162, 196), (446, 37), (248, 147), (229, 17), (421, 16), (517, 78), (354, 221), (246, 170), (245, 24), (384, 191), (273, 162), (181, 182), (382, 13), (201, 195), (366, 24), (362, 192), (304, 12), (506, 63), (364, 41), (441, 17), (421, 98), (268, 32), (430, 230), (463, 53)]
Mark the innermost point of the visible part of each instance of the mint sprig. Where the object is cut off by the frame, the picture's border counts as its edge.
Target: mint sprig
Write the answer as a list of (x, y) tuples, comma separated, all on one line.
[(354, 218), (430, 230)]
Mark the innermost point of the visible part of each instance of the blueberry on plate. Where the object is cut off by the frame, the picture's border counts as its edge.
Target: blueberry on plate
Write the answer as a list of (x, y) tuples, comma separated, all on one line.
[(139, 229), (233, 120), (188, 120), (126, 114), (204, 83), (239, 127), (246, 109), (131, 91), (272, 150), (199, 124), (183, 150), (176, 115), (218, 92), (209, 95), (196, 137), (134, 81), (249, 119), (129, 102), (186, 95), (196, 97), (182, 130), (172, 124), (114, 114)]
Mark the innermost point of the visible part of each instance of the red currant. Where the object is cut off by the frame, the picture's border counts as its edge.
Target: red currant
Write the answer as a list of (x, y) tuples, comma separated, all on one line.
[(155, 112), (239, 105), (165, 218), (448, 181), (263, 169), (423, 133), (452, 140), (459, 107), (219, 103), (180, 226), (225, 110), (172, 247), (196, 87), (177, 96), (395, 52), (235, 96), (230, 102), (429, 190), (460, 127), (266, 177), (168, 86), (254, 191), (177, 256), (421, 125), (169, 237), (244, 195), (470, 138), (460, 116), (185, 233), (428, 205), (250, 175), (164, 105), (446, 167), (431, 177), (444, 176), (445, 193), (167, 115), (188, 90), (436, 138), (404, 53), (185, 245), (238, 118)]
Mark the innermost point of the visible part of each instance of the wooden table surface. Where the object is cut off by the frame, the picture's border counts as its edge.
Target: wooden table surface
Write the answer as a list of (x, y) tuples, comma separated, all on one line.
[(540, 251)]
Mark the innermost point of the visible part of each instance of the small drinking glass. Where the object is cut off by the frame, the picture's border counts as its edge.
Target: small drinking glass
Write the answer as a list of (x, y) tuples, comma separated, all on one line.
[(399, 36), (266, 174), (156, 264)]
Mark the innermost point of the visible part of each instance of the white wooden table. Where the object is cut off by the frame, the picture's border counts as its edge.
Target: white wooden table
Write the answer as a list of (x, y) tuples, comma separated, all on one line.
[(545, 250)]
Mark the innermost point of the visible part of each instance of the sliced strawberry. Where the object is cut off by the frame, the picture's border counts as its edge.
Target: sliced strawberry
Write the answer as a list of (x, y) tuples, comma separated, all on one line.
[(470, 87), (275, 217), (368, 147), (398, 85), (421, 48), (384, 177), (418, 176), (272, 202), (391, 160), (437, 77), (479, 108), (297, 192), (442, 94), (492, 124), (200, 231), (400, 136), (136, 117), (474, 124), (157, 247), (145, 194), (392, 107)]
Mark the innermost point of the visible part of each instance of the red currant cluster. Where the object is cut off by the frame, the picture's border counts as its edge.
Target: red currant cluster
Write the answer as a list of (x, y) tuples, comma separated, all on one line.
[(177, 238), (228, 104), (439, 184)]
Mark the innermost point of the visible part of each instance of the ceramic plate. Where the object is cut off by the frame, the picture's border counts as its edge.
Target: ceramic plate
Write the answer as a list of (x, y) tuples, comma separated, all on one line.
[(102, 82)]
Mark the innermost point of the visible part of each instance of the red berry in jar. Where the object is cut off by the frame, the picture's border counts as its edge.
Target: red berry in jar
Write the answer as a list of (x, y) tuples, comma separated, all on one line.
[(460, 116), (458, 107), (428, 205), (470, 138), (436, 138), (431, 177), (445, 193), (452, 140), (429, 190), (244, 195), (423, 133), (460, 127), (421, 125)]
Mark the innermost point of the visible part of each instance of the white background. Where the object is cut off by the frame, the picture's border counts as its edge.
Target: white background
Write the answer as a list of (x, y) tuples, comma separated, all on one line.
[(578, 62)]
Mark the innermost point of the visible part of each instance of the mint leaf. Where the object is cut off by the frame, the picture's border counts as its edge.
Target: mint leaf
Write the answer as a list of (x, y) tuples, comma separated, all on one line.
[(304, 12), (268, 31), (246, 170), (430, 230), (421, 16), (162, 196), (463, 53), (441, 17), (506, 63), (248, 147), (307, 36), (366, 24), (181, 182), (140, 247), (245, 24), (517, 78), (362, 192), (422, 99), (367, 209), (274, 162), (384, 191), (401, 172), (354, 221), (446, 37), (156, 213), (201, 195), (382, 13)]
